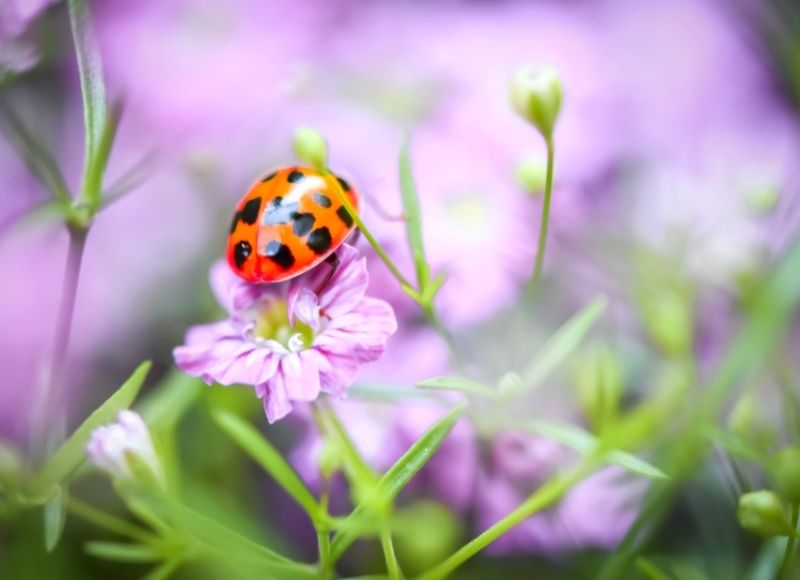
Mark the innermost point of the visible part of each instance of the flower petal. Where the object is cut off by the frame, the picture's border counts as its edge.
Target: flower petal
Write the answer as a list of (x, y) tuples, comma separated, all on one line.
[(348, 284), (299, 374), (274, 399), (362, 332), (303, 305)]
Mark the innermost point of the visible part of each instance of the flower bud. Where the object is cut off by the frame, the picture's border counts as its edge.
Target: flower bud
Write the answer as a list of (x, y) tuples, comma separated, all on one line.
[(311, 147), (763, 513), (531, 174), (125, 451), (536, 94), (785, 471), (425, 532), (747, 421)]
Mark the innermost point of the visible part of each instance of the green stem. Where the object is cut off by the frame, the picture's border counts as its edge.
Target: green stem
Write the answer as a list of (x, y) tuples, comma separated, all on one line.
[(107, 521), (787, 554), (392, 566), (545, 222), (547, 495), (323, 533), (368, 234)]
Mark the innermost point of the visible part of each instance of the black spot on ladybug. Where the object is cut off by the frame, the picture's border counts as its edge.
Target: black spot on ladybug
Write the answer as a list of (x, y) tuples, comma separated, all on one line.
[(295, 176), (249, 213), (269, 177), (279, 213), (319, 240), (241, 252), (343, 184), (321, 199), (302, 223), (345, 216), (280, 254)]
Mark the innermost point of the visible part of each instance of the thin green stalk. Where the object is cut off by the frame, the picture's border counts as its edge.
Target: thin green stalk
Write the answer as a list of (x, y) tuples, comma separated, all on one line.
[(544, 225), (787, 554), (392, 566), (324, 534), (547, 495), (107, 521), (370, 238)]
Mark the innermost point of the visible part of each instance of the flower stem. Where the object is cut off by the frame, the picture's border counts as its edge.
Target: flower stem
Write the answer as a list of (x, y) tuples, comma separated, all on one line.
[(542, 498), (392, 566), (51, 392), (368, 234), (323, 533), (107, 521), (787, 554), (545, 222)]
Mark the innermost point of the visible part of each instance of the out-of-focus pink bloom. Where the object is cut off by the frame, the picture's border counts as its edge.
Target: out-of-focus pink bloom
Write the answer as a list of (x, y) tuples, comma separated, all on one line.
[(596, 513), (383, 432), (290, 345)]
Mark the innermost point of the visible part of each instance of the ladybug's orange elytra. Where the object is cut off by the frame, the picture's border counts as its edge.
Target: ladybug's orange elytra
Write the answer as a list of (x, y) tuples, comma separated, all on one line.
[(288, 223)]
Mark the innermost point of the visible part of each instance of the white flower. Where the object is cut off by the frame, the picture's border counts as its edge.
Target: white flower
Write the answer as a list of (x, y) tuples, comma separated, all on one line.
[(119, 447)]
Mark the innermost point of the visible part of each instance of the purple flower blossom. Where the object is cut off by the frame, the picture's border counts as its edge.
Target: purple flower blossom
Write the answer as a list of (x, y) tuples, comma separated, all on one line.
[(289, 342), (112, 447), (596, 513)]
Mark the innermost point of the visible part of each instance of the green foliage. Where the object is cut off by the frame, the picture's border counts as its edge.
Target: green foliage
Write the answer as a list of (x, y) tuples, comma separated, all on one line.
[(270, 459), (71, 454)]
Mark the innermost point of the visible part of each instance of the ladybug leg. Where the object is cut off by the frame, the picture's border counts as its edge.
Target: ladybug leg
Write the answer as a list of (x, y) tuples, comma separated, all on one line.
[(333, 260), (354, 237), (382, 211)]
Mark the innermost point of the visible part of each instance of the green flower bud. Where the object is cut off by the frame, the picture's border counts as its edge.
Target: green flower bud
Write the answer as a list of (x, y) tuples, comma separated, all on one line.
[(785, 471), (531, 175), (746, 421), (763, 513), (536, 94), (598, 378), (425, 533), (329, 459), (311, 147)]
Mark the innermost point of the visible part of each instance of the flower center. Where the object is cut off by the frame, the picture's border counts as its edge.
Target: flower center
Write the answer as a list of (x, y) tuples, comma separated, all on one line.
[(272, 323)]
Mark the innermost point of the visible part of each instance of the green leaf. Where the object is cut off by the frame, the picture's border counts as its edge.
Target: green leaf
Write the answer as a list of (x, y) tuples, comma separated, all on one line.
[(413, 218), (561, 345), (650, 570), (223, 543), (397, 477), (251, 441), (584, 442), (90, 69), (37, 156), (387, 393), (736, 446), (164, 405), (55, 515), (165, 570), (72, 452), (119, 552), (361, 476), (461, 384)]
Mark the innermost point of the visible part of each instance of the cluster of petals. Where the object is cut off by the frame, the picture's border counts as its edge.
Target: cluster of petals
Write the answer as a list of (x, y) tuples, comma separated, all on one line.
[(329, 333)]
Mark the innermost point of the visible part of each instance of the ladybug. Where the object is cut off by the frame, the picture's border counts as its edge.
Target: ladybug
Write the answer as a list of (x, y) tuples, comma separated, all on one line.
[(288, 223)]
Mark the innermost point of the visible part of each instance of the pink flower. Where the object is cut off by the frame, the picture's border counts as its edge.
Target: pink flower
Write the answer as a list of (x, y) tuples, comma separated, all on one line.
[(287, 341)]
